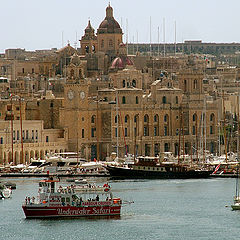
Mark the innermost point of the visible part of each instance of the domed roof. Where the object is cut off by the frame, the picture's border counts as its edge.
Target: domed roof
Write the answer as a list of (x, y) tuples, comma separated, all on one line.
[(109, 24), (121, 62)]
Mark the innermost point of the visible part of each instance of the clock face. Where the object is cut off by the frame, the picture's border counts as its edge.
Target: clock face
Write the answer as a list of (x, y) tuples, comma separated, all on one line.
[(70, 94), (82, 95)]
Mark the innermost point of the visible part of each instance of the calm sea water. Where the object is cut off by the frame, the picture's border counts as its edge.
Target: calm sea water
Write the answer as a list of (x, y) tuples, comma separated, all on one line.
[(162, 209)]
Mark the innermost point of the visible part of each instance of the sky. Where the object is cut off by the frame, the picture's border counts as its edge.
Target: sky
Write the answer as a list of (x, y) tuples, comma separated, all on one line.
[(46, 24)]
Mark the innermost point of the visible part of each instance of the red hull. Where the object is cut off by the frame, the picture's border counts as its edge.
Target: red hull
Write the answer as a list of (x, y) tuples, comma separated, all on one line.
[(70, 211)]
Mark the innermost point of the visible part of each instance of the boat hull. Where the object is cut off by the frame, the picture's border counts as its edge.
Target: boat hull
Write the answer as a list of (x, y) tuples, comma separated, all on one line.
[(35, 211), (128, 173)]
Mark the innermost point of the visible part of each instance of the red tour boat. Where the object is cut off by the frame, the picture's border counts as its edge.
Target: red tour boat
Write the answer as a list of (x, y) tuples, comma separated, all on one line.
[(55, 200)]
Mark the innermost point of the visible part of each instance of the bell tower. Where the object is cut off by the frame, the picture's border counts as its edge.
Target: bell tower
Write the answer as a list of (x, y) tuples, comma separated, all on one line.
[(89, 40)]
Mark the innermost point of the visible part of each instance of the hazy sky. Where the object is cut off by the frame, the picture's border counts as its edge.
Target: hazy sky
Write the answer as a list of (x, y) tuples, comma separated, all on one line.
[(42, 24)]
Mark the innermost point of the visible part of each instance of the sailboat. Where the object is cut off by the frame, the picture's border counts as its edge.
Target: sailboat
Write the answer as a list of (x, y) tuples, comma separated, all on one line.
[(236, 199)]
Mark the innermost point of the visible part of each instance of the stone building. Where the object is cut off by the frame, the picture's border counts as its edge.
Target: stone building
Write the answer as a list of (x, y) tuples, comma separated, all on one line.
[(36, 141)]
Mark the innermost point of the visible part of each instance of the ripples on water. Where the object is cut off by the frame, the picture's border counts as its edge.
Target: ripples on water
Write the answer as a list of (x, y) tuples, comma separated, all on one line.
[(162, 209)]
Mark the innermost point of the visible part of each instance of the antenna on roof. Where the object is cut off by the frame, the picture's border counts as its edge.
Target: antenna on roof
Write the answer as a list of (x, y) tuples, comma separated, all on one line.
[(127, 34), (164, 47), (175, 38), (158, 40), (150, 36)]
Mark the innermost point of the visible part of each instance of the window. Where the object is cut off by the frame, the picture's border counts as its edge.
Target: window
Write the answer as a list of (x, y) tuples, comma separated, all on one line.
[(177, 132), (14, 135), (126, 118), (193, 130), (93, 131), (176, 99), (185, 85), (212, 117), (164, 100), (145, 118), (124, 83), (26, 134), (125, 132), (116, 119), (194, 118), (156, 131), (17, 134), (136, 99), (156, 118), (1, 140), (165, 131), (23, 70), (123, 100), (145, 131), (135, 118), (47, 140), (32, 70), (116, 132), (82, 133), (195, 84), (93, 119), (36, 134), (102, 43), (23, 134), (134, 83), (211, 129), (110, 43), (32, 134), (166, 118)]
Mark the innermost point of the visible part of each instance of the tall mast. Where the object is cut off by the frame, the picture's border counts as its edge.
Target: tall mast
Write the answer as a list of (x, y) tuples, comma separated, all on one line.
[(224, 127), (150, 36), (20, 107), (12, 125), (117, 118), (127, 34), (164, 47), (158, 40), (175, 38)]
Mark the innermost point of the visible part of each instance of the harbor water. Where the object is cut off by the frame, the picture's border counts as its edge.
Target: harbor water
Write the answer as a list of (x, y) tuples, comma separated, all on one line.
[(162, 209)]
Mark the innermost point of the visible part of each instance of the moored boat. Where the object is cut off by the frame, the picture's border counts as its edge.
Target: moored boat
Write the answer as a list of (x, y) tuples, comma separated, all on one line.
[(150, 167), (57, 201)]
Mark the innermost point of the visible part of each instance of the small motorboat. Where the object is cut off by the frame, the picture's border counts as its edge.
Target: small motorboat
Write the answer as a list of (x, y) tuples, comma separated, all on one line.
[(5, 192)]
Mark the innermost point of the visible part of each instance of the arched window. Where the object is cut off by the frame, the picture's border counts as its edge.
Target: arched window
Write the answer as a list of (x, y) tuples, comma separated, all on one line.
[(116, 119), (212, 117), (166, 118), (156, 118), (146, 118), (87, 49), (126, 118), (93, 119), (164, 99), (123, 100), (134, 83), (194, 117), (124, 83)]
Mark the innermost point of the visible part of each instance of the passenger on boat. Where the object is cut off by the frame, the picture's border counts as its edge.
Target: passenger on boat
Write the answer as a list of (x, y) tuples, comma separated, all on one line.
[(97, 198)]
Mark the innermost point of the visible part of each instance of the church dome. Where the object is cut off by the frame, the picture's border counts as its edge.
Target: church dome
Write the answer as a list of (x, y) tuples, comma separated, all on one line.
[(109, 24), (121, 62)]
